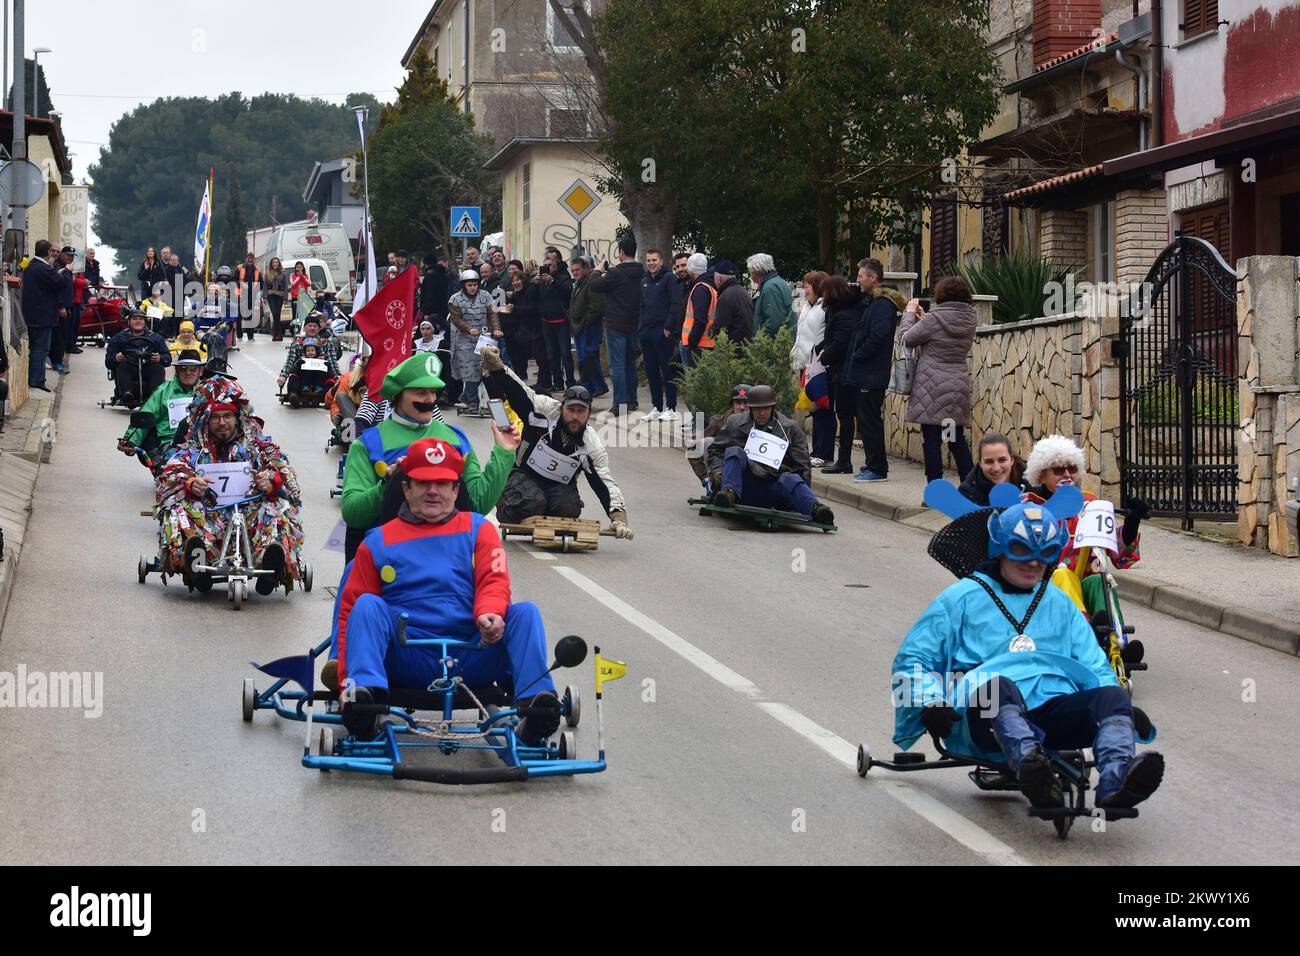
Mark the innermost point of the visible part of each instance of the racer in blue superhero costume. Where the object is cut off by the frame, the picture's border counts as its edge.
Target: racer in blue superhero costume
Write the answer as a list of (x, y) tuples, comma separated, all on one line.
[(446, 569), (1002, 666)]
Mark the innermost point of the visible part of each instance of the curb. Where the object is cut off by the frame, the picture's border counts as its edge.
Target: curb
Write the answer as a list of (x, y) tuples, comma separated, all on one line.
[(1169, 599)]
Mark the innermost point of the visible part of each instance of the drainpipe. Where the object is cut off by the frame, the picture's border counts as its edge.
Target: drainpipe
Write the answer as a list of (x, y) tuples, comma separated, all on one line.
[(465, 61), (1138, 72), (1157, 74)]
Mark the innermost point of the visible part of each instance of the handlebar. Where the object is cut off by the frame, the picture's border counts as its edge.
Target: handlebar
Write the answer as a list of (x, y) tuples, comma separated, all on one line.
[(446, 643)]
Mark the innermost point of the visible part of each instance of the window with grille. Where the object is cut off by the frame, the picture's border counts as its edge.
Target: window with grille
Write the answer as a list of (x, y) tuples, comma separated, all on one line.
[(996, 232), (528, 192), (943, 238), (566, 124), (1200, 16)]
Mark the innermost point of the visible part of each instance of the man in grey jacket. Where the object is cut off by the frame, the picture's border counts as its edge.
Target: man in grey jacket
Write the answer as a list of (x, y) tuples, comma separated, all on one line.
[(739, 478)]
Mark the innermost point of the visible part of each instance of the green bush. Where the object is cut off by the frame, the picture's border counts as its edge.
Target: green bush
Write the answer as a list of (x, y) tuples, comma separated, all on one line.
[(1021, 283), (764, 360), (1162, 404)]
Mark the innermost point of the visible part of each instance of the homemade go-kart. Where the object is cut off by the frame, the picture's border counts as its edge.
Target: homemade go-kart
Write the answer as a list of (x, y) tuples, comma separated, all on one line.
[(402, 733), (309, 385), (149, 375), (959, 547), (768, 519), (101, 315), (559, 534), (234, 562)]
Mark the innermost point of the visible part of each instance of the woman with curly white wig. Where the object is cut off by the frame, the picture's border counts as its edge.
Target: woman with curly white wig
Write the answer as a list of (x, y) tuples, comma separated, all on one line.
[(1055, 461)]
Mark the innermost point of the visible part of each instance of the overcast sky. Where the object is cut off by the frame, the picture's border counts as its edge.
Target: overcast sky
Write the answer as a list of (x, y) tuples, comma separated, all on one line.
[(109, 57)]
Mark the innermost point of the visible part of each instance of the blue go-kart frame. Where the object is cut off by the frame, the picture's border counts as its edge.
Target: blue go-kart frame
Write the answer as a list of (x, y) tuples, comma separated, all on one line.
[(332, 747)]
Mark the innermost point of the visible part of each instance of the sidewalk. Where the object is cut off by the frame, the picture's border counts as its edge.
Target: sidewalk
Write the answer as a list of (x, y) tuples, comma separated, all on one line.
[(24, 444), (1240, 591)]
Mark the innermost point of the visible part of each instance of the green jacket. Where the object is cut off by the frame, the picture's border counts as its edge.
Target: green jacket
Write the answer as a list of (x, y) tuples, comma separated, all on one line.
[(156, 405), (774, 308), (363, 487), (587, 306)]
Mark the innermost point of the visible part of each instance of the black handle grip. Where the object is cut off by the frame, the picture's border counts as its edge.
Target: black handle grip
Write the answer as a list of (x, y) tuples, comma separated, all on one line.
[(453, 776)]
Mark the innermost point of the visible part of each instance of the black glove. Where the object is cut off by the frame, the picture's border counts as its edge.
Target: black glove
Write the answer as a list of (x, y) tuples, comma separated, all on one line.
[(939, 719), (1137, 510)]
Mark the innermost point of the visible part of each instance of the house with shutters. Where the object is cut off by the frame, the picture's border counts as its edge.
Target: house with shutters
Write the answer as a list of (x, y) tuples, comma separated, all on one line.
[(516, 66)]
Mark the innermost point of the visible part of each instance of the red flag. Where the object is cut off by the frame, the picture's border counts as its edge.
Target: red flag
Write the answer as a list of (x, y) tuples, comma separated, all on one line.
[(385, 322)]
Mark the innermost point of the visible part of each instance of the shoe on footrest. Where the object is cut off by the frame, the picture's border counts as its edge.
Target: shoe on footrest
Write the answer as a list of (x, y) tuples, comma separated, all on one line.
[(363, 726), (1140, 781), (1038, 782), (822, 514), (541, 718), (726, 498), (272, 560)]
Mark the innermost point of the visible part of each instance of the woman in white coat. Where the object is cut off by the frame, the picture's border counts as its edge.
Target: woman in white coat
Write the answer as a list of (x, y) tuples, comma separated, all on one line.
[(810, 331)]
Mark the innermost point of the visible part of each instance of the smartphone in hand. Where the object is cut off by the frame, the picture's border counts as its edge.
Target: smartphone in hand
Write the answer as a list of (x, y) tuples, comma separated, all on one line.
[(499, 415)]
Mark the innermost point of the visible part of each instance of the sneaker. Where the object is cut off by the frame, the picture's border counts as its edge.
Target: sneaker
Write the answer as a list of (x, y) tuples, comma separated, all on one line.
[(461, 406), (816, 462), (272, 560), (653, 416), (541, 718), (1140, 781), (822, 514), (362, 726), (867, 475), (633, 407), (670, 416), (1038, 781)]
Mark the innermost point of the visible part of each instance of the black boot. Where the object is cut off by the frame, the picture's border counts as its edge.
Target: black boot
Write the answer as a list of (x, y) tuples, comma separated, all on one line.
[(541, 718), (822, 514), (1038, 781), (726, 498), (363, 726), (1141, 779), (272, 560)]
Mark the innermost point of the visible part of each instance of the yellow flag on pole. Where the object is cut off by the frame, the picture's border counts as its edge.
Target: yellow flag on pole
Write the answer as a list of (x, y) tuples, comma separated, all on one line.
[(608, 670)]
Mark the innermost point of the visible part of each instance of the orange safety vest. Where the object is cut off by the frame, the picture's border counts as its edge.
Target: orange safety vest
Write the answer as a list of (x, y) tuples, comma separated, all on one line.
[(706, 340)]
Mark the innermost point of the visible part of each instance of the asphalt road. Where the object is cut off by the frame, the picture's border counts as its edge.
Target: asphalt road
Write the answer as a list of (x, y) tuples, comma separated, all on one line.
[(756, 663)]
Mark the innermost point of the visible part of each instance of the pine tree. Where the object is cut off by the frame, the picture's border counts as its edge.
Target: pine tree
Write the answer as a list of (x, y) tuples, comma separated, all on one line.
[(234, 222)]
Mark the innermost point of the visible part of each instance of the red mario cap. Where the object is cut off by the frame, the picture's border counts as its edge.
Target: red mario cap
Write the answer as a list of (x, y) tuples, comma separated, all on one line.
[(432, 459)]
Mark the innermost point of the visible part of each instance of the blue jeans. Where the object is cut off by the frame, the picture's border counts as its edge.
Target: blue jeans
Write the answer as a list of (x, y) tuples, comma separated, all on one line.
[(38, 339), (787, 493), (587, 344), (371, 656), (622, 365), (658, 351)]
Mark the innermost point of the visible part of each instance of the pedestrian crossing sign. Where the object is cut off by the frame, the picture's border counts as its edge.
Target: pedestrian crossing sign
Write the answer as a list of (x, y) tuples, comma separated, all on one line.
[(466, 221), (579, 199)]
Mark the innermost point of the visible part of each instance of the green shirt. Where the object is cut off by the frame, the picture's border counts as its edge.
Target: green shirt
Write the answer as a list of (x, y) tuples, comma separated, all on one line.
[(156, 405), (363, 488)]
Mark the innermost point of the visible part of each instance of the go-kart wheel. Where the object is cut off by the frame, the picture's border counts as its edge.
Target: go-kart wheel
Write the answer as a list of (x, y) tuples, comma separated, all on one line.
[(306, 577), (325, 745), (249, 700), (564, 544), (1063, 824), (572, 706), (568, 749), (864, 760), (238, 592), (142, 569)]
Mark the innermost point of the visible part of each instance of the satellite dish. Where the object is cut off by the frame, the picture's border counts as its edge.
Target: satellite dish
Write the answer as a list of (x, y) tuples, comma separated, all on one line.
[(22, 183)]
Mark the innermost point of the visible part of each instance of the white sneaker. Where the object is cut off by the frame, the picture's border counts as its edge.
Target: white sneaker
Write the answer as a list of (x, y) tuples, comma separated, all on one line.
[(653, 416), (669, 416), (816, 462)]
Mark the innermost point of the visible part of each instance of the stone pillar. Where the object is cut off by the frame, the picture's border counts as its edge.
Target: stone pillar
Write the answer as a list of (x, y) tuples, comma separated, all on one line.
[(984, 308), (1141, 232), (1268, 317), (1063, 237)]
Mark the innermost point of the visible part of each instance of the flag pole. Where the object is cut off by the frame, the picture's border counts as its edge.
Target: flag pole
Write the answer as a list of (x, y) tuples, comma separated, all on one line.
[(370, 279), (207, 246), (600, 712)]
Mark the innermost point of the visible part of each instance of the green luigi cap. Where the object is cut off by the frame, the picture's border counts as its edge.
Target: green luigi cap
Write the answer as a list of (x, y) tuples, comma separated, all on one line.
[(419, 371)]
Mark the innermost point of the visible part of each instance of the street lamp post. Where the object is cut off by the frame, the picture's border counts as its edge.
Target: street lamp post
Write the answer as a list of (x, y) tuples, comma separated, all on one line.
[(36, 81)]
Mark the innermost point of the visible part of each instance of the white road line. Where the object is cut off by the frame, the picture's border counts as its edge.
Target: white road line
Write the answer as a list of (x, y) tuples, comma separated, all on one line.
[(964, 831)]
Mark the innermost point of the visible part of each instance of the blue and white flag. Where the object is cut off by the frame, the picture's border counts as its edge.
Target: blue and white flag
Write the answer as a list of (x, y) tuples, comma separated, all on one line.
[(204, 228)]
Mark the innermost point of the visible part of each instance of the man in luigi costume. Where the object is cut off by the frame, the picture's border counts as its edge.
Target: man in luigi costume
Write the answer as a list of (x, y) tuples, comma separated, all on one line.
[(157, 439), (370, 496)]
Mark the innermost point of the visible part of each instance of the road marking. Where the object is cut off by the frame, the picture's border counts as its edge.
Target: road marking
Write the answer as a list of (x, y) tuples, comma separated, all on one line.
[(966, 832)]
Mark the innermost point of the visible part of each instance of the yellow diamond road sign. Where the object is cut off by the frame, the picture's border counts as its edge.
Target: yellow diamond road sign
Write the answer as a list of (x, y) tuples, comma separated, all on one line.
[(579, 199)]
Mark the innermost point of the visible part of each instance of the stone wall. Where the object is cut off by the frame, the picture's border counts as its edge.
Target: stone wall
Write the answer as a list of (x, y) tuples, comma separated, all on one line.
[(1268, 329), (1030, 379)]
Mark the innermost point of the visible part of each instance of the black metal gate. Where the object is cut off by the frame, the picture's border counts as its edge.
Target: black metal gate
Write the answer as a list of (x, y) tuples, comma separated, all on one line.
[(1178, 386)]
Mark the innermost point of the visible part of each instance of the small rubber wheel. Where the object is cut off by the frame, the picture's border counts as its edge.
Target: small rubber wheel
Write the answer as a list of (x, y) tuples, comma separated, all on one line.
[(864, 760), (1063, 824), (306, 577), (325, 745), (572, 706), (142, 569), (564, 544), (237, 594), (568, 746), (249, 700)]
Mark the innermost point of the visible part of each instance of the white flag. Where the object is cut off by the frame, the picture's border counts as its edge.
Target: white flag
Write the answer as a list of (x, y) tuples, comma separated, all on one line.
[(368, 284), (204, 229)]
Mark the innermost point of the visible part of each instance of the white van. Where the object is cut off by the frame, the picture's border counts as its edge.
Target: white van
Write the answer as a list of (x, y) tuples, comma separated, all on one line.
[(312, 240)]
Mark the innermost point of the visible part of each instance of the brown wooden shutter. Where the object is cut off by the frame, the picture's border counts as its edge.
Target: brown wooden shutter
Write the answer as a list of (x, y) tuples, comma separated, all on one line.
[(943, 238), (1200, 16)]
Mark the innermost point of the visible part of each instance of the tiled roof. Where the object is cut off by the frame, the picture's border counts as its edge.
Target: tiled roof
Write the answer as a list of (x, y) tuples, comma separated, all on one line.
[(1092, 46), (1049, 184)]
